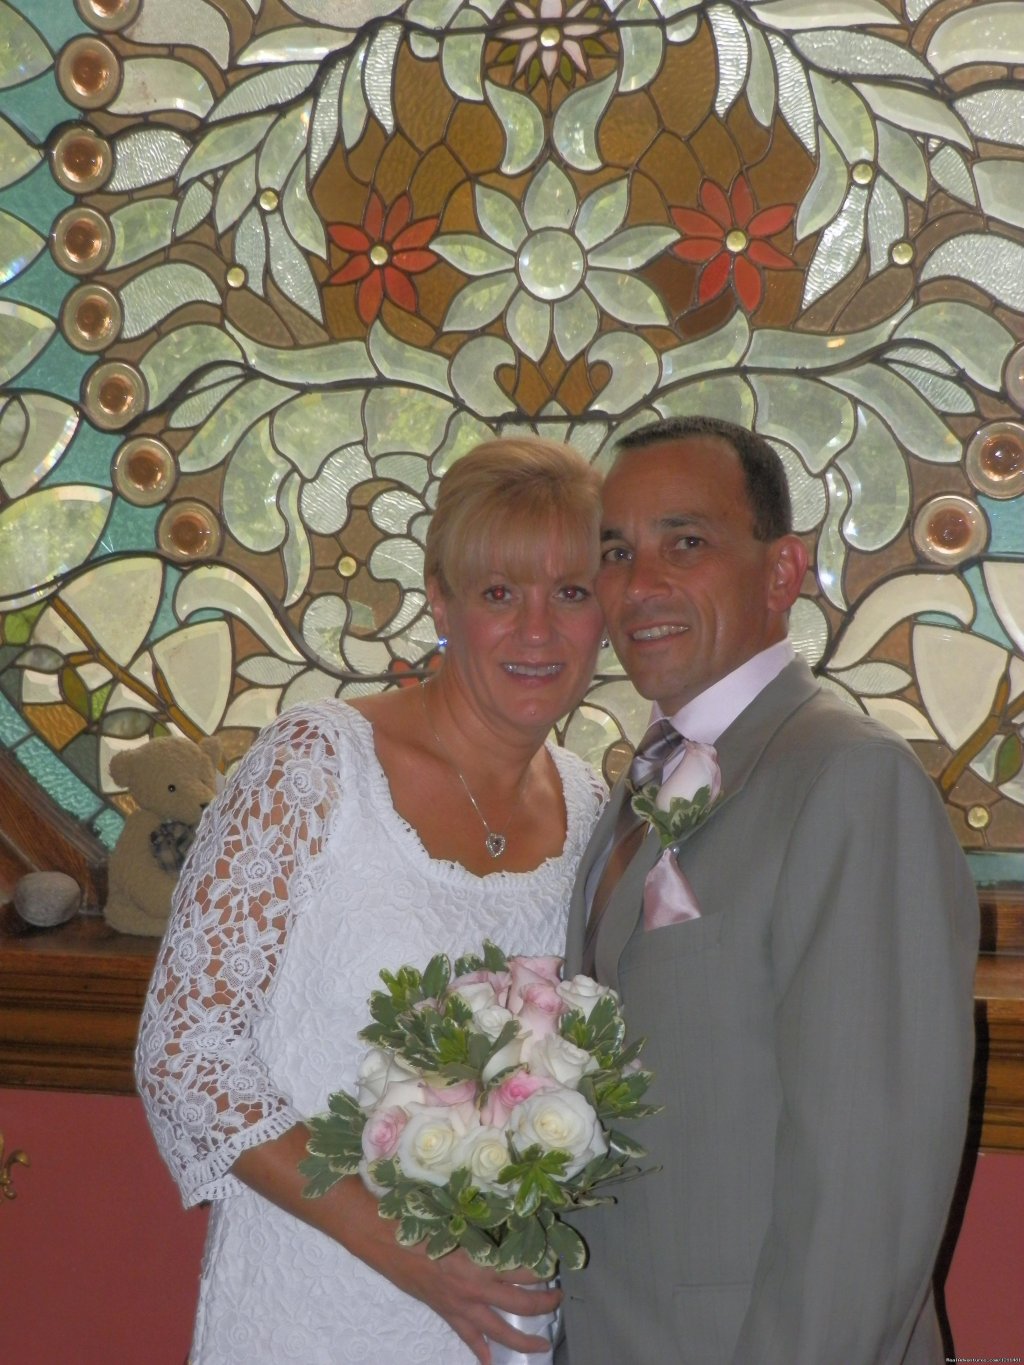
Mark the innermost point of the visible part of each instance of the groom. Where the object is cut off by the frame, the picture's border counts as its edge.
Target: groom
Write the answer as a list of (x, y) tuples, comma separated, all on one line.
[(801, 969)]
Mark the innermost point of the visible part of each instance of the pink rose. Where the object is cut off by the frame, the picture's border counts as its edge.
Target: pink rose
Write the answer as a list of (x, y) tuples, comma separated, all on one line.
[(463, 1093), (541, 1010), (498, 981), (698, 768), (513, 1090), (381, 1133), (529, 971)]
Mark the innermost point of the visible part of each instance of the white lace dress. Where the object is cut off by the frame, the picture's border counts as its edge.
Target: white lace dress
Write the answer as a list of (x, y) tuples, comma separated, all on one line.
[(302, 884)]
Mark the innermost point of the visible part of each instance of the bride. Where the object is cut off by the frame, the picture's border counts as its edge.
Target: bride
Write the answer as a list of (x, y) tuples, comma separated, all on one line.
[(352, 837)]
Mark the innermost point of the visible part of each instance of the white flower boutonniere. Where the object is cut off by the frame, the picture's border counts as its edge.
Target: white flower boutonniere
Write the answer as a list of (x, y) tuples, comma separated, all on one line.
[(684, 800)]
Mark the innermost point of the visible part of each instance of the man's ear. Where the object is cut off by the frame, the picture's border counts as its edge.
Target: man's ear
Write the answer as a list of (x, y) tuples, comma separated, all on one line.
[(789, 565)]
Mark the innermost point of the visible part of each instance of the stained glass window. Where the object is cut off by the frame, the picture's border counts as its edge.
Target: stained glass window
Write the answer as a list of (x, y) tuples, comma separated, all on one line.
[(269, 266)]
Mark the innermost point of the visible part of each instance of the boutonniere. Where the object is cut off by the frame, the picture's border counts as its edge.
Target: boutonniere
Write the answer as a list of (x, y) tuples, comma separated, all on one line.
[(685, 799)]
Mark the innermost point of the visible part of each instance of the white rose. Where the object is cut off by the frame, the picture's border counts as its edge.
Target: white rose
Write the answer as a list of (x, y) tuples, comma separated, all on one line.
[(379, 1074), (559, 1120), (492, 1019), (429, 1146), (582, 993), (509, 1055), (485, 1153), (563, 1061), (698, 768), (478, 995)]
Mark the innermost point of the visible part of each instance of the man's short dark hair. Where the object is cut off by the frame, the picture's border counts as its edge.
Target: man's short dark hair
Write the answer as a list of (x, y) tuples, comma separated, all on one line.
[(763, 472)]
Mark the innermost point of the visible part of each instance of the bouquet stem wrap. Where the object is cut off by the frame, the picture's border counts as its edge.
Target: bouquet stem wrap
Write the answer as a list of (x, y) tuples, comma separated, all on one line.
[(543, 1325)]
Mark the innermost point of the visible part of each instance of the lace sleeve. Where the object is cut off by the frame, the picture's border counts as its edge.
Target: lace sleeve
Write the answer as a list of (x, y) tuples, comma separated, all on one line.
[(205, 1088)]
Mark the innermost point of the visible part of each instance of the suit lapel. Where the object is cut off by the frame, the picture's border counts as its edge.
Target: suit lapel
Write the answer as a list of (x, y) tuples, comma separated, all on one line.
[(579, 904), (739, 749)]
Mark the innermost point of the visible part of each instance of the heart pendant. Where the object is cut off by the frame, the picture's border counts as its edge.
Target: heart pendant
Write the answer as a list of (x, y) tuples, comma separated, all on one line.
[(495, 845)]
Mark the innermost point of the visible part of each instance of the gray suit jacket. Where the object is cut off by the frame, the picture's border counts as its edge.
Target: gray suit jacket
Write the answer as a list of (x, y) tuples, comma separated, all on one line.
[(811, 1039)]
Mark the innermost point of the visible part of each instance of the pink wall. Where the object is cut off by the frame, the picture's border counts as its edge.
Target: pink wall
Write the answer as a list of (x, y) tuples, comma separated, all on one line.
[(99, 1263)]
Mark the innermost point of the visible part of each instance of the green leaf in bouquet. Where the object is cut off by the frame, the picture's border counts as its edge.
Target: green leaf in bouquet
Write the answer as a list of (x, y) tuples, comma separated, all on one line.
[(440, 1243), (457, 1225), (320, 1177), (494, 959), (436, 977), (472, 962), (535, 1243), (456, 1008), (566, 1243), (425, 1203), (479, 1246), (338, 1139), (621, 1145), (411, 1231)]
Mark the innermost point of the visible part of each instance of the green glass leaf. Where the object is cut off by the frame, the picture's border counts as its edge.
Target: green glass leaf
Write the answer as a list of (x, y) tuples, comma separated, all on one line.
[(17, 625), (145, 157), (733, 53), (900, 156), (915, 111), (522, 124), (813, 419), (325, 501), (98, 700), (626, 298), (761, 91), (205, 26), (217, 588), (48, 532), (97, 596), (17, 156), (290, 270), (326, 117), (894, 600), (577, 123), (75, 692), (473, 373), (378, 74), (224, 144), (308, 428), (982, 33), (40, 659), (296, 553), (846, 117), (249, 499), (952, 171), (155, 294), (642, 47), (179, 354), (283, 146), (1009, 759), (301, 218), (193, 208), (141, 228), (839, 249), (846, 53), (196, 663), (149, 84), (1000, 187), (354, 111), (461, 62), (993, 263), (828, 188), (634, 366), (293, 43), (916, 425), (19, 246), (23, 334), (23, 53), (795, 102), (221, 431), (35, 431)]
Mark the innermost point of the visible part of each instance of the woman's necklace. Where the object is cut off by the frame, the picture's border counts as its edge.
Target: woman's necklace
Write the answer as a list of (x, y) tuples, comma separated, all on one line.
[(495, 842)]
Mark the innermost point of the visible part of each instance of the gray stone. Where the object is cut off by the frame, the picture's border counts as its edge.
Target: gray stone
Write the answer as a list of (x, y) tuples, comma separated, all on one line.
[(47, 898)]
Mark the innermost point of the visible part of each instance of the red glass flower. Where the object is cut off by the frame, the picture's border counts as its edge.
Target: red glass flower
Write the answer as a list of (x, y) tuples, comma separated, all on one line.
[(388, 248), (731, 238)]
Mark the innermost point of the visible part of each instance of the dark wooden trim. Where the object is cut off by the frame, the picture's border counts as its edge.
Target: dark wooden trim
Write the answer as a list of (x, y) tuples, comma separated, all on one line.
[(999, 1017), (36, 835)]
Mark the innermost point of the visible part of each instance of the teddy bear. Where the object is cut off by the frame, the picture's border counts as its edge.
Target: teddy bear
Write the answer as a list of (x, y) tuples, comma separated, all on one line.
[(171, 781)]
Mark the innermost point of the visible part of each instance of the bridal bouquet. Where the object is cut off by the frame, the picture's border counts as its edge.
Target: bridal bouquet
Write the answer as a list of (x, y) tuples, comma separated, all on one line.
[(487, 1106)]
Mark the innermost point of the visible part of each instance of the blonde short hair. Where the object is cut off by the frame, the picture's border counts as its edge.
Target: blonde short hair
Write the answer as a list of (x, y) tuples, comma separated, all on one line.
[(509, 504)]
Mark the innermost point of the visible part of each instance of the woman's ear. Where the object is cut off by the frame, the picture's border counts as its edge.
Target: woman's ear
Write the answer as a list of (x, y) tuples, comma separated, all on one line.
[(788, 570), (438, 602)]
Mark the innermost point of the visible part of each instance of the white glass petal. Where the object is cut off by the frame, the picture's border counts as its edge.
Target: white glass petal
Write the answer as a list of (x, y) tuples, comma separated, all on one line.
[(900, 716), (825, 195), (806, 493), (952, 172), (808, 630), (894, 600), (473, 375), (633, 247), (294, 44), (972, 339), (846, 117), (145, 157), (377, 74), (479, 303), (957, 673), (626, 298), (323, 133), (577, 122), (23, 334), (761, 88), (641, 48), (993, 263), (191, 411), (859, 54), (461, 62), (302, 220), (23, 53), (394, 509), (523, 125), (941, 393), (221, 145), (235, 192), (982, 33), (251, 249), (576, 323), (19, 246), (178, 355), (35, 431), (795, 103), (901, 158), (475, 255), (291, 271), (154, 294), (325, 501), (913, 421), (308, 428), (296, 553), (401, 560), (839, 248), (202, 21), (17, 156), (806, 414), (398, 360), (409, 470), (733, 53), (887, 222), (501, 219), (193, 207), (634, 367), (528, 321), (602, 213), (196, 663), (214, 587), (249, 499), (804, 14), (1000, 187), (917, 112), (282, 146), (219, 435), (551, 199), (1004, 580), (879, 485), (366, 656), (149, 84), (48, 532)]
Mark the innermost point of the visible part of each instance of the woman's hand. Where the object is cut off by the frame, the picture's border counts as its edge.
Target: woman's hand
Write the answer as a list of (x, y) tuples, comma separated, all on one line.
[(465, 1294)]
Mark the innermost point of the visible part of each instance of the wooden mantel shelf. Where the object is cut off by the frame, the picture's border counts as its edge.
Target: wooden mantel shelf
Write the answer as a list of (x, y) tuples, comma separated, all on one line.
[(70, 1001)]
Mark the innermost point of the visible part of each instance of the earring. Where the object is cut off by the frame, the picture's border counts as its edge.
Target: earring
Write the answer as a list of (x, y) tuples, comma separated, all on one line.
[(605, 642), (442, 643)]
